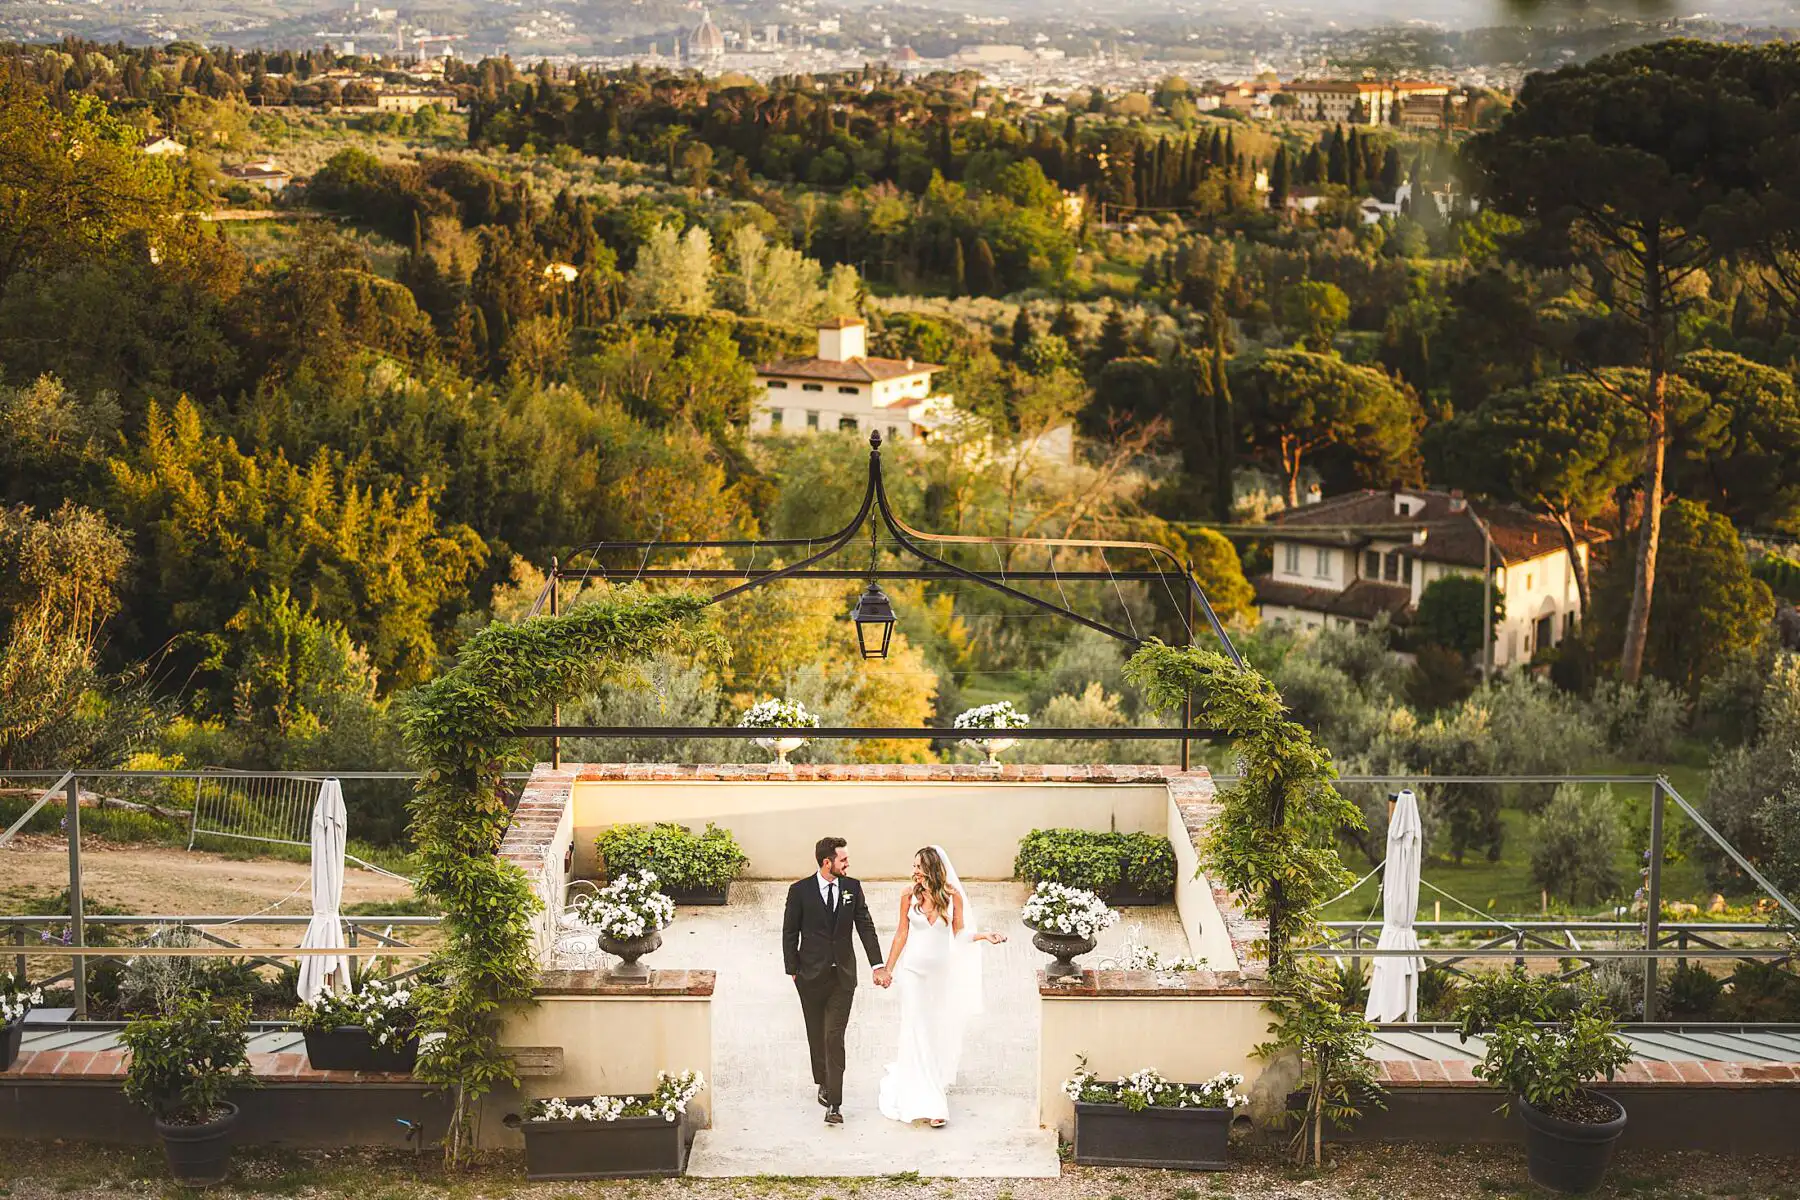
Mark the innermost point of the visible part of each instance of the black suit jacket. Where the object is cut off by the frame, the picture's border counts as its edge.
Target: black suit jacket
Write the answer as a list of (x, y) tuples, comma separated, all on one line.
[(813, 941)]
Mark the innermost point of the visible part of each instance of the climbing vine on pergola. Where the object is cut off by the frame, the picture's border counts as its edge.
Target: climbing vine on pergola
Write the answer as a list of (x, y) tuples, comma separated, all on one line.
[(1274, 842), (462, 729)]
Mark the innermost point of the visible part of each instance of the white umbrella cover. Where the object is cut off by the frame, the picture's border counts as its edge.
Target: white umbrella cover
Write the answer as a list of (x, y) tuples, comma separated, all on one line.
[(1394, 986), (321, 971)]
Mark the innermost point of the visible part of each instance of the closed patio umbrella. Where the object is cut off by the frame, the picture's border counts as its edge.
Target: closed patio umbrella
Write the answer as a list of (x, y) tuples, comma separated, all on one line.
[(321, 971), (1394, 986)]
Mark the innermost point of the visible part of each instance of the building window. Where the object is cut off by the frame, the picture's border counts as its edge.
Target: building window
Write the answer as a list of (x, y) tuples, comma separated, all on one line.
[(1371, 564), (849, 389), (775, 419), (812, 419), (778, 383), (1406, 571), (847, 423), (1390, 569), (1290, 558), (812, 387), (1322, 563)]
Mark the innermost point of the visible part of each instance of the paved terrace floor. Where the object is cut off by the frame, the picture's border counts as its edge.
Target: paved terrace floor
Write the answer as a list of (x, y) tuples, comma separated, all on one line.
[(766, 1119)]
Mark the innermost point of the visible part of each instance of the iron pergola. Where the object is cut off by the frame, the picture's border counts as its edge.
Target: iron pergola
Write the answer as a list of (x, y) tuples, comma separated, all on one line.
[(873, 609)]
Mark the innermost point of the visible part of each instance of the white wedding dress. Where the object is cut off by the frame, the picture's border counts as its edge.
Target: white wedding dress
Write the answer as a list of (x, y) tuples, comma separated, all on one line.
[(939, 981)]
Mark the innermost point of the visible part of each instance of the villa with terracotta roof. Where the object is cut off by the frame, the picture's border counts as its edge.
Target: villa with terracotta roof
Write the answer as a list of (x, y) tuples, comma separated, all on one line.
[(1363, 555), (842, 387)]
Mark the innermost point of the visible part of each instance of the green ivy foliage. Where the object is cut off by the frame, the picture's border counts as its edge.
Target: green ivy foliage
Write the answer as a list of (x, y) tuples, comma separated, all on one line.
[(460, 732), (1274, 841), (680, 859)]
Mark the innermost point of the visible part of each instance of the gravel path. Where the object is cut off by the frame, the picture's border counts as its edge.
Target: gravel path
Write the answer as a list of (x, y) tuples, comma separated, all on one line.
[(30, 1171)]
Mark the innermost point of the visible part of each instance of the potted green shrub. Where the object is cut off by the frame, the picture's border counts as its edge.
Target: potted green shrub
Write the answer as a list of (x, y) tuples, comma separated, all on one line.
[(183, 1065), (15, 1001), (1332, 1044), (372, 1027), (1123, 868), (1144, 1120), (1544, 1061), (690, 868), (611, 1137)]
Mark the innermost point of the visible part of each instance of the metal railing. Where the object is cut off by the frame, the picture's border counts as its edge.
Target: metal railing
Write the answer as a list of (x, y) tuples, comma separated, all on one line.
[(24, 938), (1528, 939)]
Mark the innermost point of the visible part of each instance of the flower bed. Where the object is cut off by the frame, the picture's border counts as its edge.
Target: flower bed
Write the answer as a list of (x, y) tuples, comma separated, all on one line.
[(1124, 868), (611, 1137), (372, 1028), (1144, 1120), (690, 868)]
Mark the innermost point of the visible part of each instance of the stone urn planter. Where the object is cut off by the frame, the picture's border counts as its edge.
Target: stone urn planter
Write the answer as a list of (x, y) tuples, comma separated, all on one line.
[(990, 747), (1571, 1156), (781, 748), (352, 1048), (199, 1155), (1064, 948), (1178, 1139), (11, 1037), (630, 950), (629, 1147)]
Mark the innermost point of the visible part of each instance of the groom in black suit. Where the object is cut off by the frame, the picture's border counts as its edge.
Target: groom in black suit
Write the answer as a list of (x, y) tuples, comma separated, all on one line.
[(821, 960)]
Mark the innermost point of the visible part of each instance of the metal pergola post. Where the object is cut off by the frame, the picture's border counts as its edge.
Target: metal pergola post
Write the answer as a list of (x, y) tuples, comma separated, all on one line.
[(77, 934), (1653, 898)]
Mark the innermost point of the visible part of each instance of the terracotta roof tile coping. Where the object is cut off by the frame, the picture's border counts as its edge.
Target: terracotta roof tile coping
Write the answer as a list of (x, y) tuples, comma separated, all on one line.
[(598, 983), (882, 772), (1643, 1074), (102, 1065), (1155, 985)]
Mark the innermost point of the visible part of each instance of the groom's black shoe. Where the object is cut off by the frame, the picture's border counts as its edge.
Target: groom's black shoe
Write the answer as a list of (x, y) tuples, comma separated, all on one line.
[(833, 1116)]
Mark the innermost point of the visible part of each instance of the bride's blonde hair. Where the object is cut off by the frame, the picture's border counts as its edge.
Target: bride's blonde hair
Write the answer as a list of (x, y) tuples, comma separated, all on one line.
[(937, 881)]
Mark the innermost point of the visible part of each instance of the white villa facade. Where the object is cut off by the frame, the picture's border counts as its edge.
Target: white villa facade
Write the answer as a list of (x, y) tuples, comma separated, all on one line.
[(841, 387), (1356, 557)]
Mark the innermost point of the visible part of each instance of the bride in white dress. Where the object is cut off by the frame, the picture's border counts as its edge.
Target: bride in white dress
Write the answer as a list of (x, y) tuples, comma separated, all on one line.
[(938, 974)]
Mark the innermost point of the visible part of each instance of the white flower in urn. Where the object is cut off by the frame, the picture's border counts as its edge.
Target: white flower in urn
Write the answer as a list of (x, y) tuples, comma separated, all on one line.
[(779, 714), (997, 717)]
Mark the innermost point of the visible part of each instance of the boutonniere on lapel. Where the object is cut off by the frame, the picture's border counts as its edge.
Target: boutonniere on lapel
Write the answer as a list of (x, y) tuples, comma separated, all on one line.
[(847, 899)]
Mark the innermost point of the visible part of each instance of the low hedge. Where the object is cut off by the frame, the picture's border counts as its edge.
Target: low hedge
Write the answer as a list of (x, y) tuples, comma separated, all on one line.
[(682, 860), (1099, 862)]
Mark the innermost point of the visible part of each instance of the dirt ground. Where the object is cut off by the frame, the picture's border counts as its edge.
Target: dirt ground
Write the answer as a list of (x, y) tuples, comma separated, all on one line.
[(165, 880), (35, 1171)]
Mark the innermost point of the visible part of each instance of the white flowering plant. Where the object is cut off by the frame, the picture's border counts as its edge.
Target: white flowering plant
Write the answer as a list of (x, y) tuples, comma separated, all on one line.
[(999, 715), (1146, 1088), (778, 714), (1143, 958), (629, 907), (386, 1010), (16, 1000), (1058, 909), (670, 1100)]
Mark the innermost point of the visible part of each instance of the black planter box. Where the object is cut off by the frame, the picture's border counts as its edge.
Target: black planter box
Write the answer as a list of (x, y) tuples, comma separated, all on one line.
[(350, 1048), (1179, 1139), (10, 1038), (629, 1148), (1126, 896), (699, 895)]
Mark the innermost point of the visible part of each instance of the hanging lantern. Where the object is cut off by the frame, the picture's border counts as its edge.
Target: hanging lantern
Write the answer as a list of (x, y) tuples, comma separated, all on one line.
[(874, 617)]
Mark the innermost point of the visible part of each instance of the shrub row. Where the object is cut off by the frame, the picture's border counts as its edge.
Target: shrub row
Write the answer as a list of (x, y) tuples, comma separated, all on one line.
[(681, 859), (1101, 862)]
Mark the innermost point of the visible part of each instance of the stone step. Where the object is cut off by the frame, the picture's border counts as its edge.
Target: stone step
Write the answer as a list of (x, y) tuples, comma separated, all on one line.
[(868, 1145)]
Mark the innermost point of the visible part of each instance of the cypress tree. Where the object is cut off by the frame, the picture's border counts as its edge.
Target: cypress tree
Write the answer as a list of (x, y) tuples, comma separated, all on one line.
[(1278, 180), (984, 275), (1335, 170), (1224, 433), (1115, 339), (1390, 173), (1022, 332), (959, 271)]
